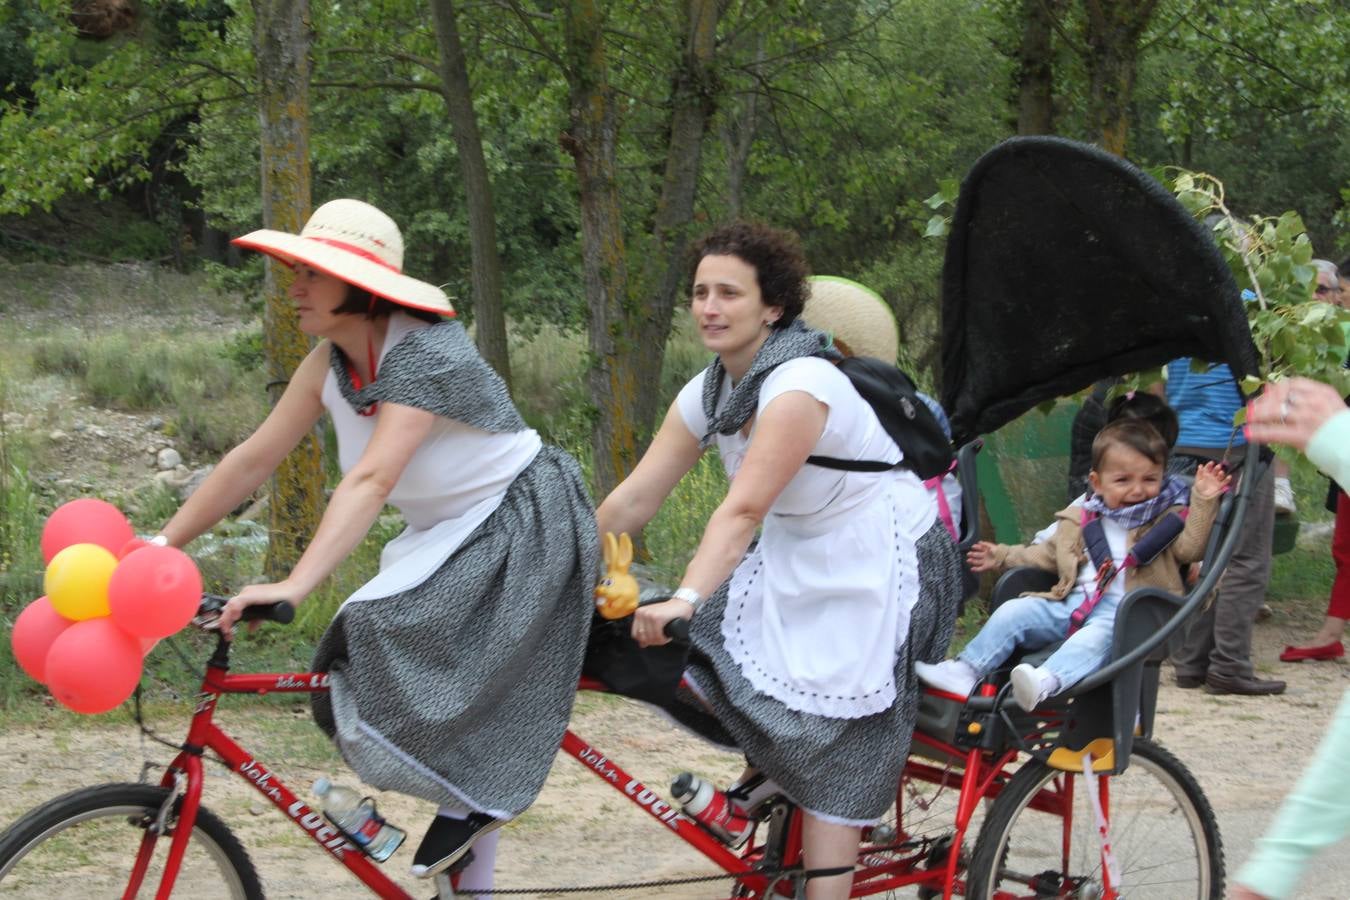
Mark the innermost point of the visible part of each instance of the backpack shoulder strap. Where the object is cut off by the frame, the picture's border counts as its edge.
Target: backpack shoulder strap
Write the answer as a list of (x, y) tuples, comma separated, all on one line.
[(904, 417)]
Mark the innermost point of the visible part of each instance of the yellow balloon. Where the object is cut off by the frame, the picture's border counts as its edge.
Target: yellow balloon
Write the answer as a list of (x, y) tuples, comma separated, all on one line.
[(77, 581)]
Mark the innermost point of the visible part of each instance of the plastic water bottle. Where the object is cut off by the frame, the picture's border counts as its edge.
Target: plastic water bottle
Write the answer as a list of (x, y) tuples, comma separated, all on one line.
[(356, 817), (710, 807)]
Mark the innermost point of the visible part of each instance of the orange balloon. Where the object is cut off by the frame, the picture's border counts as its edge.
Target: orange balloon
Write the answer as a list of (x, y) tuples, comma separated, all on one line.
[(77, 581)]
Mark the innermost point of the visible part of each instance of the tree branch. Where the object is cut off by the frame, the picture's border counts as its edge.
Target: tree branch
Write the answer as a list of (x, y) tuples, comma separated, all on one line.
[(401, 56), (544, 48), (431, 86)]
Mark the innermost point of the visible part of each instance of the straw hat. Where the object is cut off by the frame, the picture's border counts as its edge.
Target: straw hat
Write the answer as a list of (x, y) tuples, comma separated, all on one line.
[(356, 242), (860, 321)]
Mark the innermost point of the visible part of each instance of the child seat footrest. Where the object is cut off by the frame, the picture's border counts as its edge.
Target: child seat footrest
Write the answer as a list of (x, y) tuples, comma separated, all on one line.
[(1102, 751)]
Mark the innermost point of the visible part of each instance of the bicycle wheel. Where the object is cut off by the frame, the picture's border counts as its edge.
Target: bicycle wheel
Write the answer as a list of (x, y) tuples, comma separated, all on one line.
[(85, 843), (1041, 837)]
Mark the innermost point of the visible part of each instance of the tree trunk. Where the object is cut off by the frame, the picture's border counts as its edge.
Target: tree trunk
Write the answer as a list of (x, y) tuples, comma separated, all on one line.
[(592, 141), (662, 278), (1113, 29), (1036, 68), (629, 319), (738, 136), (485, 264), (281, 43)]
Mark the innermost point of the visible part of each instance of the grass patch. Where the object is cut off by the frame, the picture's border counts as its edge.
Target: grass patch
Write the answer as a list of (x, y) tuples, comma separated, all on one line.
[(116, 291), (21, 565), (207, 387)]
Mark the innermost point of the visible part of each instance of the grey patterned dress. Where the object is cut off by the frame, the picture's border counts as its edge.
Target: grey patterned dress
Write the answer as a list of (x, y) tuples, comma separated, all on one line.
[(844, 770), (457, 687)]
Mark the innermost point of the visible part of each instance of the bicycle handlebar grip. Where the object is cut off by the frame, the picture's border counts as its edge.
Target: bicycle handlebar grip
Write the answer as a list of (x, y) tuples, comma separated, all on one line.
[(280, 612), (677, 630)]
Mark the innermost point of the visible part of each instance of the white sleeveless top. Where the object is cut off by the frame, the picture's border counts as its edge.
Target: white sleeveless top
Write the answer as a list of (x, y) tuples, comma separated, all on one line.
[(817, 611), (452, 482)]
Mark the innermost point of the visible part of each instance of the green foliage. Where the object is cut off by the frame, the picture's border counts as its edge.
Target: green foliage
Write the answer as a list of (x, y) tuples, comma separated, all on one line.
[(673, 535), (149, 509), (1271, 256), (245, 349), (548, 385), (21, 564)]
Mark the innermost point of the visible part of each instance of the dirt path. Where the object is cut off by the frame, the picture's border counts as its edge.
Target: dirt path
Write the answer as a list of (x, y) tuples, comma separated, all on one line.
[(1244, 751)]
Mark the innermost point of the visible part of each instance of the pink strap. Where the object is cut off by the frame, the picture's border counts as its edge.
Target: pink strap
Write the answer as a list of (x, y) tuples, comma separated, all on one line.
[(944, 509)]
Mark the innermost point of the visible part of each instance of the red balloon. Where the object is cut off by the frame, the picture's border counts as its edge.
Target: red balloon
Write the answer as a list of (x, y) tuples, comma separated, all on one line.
[(93, 666), (85, 521), (131, 547), (154, 591), (34, 631)]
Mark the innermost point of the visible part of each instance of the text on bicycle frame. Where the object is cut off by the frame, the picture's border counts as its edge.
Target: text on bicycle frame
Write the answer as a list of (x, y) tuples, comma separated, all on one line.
[(309, 820)]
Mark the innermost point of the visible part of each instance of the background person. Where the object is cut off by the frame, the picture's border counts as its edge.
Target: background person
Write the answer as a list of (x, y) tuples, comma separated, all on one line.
[(1217, 647), (1326, 643), (454, 668), (803, 647), (1310, 417)]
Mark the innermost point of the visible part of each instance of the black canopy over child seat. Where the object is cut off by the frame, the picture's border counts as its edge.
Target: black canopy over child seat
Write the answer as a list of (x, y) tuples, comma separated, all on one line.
[(1067, 265)]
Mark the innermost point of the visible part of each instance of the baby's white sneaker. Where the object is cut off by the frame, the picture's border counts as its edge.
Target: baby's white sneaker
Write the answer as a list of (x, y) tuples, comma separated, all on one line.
[(1032, 685), (955, 676)]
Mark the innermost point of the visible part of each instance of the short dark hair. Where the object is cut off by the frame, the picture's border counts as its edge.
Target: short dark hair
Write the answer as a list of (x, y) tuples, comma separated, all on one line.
[(1133, 434), (361, 302), (1148, 407), (776, 255)]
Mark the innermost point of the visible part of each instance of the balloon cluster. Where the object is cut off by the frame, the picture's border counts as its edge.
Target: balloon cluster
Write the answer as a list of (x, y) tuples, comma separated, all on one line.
[(110, 597)]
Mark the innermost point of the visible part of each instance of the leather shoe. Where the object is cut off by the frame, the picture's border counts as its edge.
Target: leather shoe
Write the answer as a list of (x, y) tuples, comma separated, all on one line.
[(1237, 684), (1334, 650), (1188, 682)]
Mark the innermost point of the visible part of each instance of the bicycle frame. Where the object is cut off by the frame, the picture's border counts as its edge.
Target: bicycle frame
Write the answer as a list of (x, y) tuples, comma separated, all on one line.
[(204, 734), (978, 781), (980, 778)]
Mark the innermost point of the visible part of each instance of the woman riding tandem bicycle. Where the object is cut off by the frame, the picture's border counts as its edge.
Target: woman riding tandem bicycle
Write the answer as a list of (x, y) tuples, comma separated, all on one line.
[(803, 647), (441, 687)]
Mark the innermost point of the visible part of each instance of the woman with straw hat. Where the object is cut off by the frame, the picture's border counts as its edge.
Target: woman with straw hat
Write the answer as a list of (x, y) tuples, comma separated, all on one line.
[(802, 646), (454, 668)]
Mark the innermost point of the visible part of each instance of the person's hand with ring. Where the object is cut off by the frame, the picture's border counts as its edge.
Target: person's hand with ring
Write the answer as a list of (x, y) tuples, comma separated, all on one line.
[(649, 622), (1290, 412)]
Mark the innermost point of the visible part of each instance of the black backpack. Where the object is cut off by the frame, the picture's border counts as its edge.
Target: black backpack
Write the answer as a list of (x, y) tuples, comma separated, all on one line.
[(904, 415)]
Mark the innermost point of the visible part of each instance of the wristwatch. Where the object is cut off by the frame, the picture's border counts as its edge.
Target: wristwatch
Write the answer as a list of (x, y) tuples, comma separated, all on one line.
[(688, 595)]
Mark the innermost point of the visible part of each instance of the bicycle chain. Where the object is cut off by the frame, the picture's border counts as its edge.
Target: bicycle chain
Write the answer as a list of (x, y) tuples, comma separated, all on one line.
[(603, 888), (774, 878)]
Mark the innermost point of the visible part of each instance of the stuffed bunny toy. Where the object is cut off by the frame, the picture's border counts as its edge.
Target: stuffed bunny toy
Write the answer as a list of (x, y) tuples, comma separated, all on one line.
[(616, 595)]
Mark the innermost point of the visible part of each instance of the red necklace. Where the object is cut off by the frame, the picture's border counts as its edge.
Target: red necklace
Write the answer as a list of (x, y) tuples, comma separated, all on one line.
[(356, 378)]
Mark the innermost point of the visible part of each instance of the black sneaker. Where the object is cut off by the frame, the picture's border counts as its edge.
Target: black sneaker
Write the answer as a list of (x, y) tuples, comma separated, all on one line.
[(447, 840)]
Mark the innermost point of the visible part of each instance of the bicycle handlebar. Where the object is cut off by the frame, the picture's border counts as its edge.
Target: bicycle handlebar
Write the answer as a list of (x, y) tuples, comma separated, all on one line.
[(677, 630), (280, 612)]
